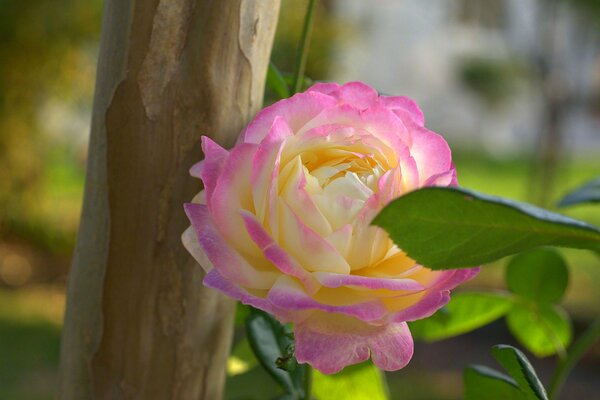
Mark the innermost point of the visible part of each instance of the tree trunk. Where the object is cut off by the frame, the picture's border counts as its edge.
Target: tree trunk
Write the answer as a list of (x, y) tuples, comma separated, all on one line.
[(139, 324)]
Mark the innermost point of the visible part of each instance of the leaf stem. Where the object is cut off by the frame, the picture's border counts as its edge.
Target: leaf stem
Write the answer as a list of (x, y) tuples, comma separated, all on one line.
[(308, 378), (302, 54), (579, 348)]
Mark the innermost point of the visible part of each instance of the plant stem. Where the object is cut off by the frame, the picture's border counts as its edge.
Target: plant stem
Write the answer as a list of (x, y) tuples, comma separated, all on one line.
[(579, 348), (308, 378), (302, 54)]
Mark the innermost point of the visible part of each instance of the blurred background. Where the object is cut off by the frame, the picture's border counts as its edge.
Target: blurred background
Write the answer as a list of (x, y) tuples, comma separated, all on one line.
[(513, 85)]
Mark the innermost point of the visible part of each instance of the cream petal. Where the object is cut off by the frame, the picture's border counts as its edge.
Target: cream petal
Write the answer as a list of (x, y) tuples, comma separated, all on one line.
[(308, 247)]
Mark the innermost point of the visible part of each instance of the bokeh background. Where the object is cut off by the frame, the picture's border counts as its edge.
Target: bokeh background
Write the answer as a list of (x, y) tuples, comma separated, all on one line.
[(513, 85)]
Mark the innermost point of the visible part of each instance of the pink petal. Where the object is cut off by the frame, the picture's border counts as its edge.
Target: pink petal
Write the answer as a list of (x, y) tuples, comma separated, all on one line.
[(356, 94), (265, 166), (377, 120), (324, 87), (215, 280), (289, 295), (300, 202), (191, 244), (274, 253), (332, 280), (357, 140), (296, 111), (431, 153), (425, 307), (345, 123), (224, 258), (452, 278), (447, 178), (403, 107), (196, 169), (438, 295), (233, 193), (211, 167), (331, 342)]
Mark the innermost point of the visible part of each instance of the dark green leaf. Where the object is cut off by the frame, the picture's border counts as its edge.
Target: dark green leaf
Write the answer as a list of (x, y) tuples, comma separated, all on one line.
[(541, 328), (443, 228), (541, 275), (306, 81), (519, 368), (270, 341), (286, 396), (276, 82), (464, 313), (357, 382), (483, 383), (588, 193), (241, 313)]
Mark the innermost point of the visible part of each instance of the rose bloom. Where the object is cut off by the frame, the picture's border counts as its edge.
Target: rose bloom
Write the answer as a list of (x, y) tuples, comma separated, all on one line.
[(283, 222)]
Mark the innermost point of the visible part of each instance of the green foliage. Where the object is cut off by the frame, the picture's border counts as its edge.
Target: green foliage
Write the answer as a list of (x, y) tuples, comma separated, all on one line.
[(521, 384), (465, 312), (541, 275), (589, 9), (483, 383), (539, 278), (277, 83), (48, 57), (587, 193), (443, 227), (493, 80), (326, 29), (519, 368), (242, 358), (30, 321), (272, 344), (357, 382), (543, 329), (242, 312)]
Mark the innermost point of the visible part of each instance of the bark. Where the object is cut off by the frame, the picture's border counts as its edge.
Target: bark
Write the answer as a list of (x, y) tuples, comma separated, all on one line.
[(139, 324)]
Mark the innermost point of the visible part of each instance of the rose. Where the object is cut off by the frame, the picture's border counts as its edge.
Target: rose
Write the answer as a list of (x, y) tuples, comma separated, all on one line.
[(283, 223)]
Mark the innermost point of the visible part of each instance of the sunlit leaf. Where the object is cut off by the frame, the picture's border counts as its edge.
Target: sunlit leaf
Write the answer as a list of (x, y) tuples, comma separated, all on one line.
[(541, 275), (444, 228), (465, 312), (588, 193), (541, 328), (357, 382)]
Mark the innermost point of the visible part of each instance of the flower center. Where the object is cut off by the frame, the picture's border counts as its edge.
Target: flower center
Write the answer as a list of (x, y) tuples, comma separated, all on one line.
[(333, 164)]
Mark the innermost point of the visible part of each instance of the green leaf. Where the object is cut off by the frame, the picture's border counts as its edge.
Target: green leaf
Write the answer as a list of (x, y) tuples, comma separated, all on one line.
[(306, 81), (541, 328), (541, 275), (271, 341), (241, 314), (443, 227), (519, 368), (465, 312), (276, 82), (588, 193), (357, 382), (483, 383)]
